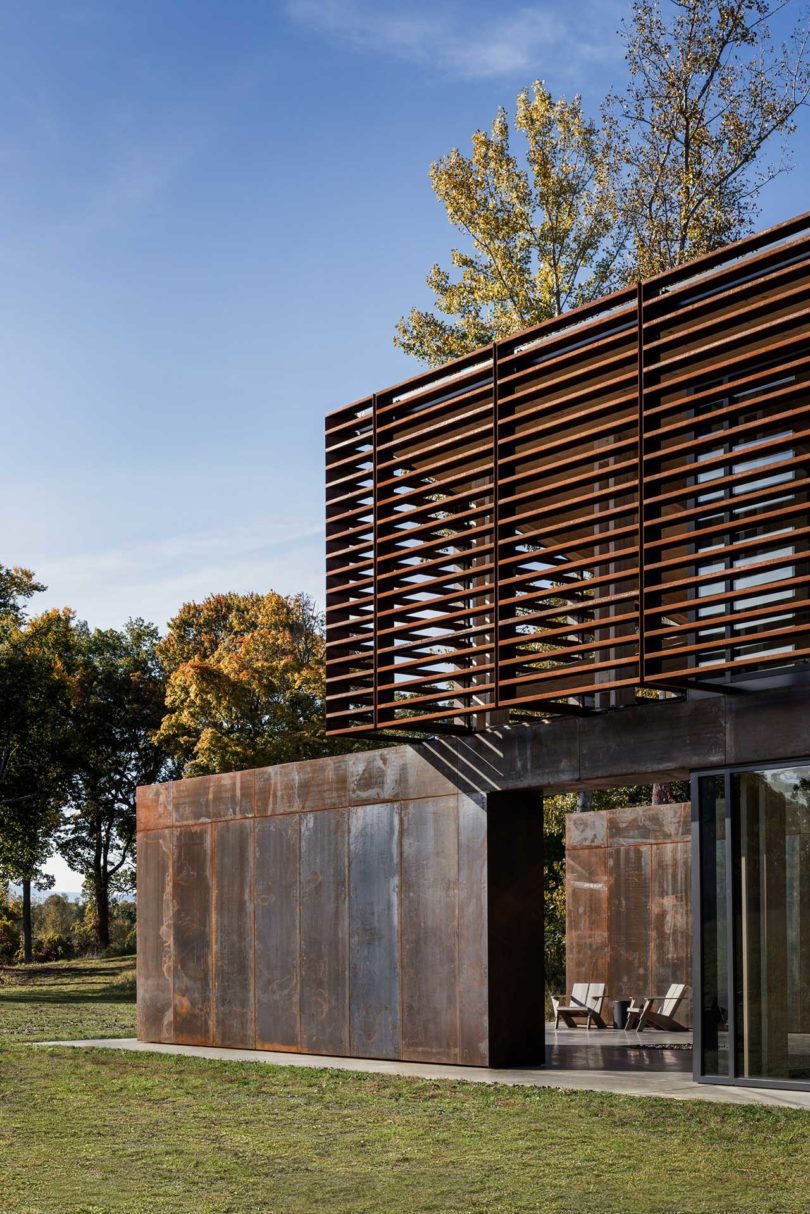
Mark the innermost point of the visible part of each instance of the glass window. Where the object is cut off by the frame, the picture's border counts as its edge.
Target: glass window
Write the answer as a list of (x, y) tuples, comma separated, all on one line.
[(771, 815)]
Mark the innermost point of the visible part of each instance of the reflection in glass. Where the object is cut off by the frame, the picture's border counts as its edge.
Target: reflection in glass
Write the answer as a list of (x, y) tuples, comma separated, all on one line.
[(771, 811)]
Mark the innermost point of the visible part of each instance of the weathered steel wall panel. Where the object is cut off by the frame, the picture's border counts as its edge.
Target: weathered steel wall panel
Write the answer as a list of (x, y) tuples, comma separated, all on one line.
[(234, 1022), (629, 921), (155, 806), (191, 885), (324, 933), (473, 923), (430, 930), (374, 885), (586, 910), (212, 798), (293, 788), (671, 921), (278, 902), (628, 900), (155, 936)]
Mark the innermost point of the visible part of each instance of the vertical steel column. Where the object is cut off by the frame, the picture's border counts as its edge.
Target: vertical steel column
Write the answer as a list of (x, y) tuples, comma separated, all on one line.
[(374, 499), (731, 931), (697, 931), (642, 657), (496, 546)]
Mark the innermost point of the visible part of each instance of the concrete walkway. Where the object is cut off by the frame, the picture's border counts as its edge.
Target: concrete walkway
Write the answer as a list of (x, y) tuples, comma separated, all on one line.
[(674, 1085)]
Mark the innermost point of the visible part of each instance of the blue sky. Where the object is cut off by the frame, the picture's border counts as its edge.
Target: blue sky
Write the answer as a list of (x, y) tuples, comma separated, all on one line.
[(211, 217)]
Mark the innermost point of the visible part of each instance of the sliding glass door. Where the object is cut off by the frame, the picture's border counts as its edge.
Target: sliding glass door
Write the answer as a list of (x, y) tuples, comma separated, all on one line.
[(752, 853)]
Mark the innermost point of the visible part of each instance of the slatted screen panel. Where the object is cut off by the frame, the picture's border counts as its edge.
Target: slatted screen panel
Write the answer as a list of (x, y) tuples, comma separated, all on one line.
[(726, 376), (616, 499), (568, 509), (350, 606), (435, 550)]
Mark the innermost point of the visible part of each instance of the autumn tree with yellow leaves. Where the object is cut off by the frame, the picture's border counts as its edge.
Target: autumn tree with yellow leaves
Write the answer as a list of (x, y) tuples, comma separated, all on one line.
[(672, 169), (544, 234), (245, 683)]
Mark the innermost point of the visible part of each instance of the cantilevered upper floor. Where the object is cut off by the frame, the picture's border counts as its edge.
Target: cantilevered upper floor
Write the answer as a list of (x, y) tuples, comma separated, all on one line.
[(613, 503)]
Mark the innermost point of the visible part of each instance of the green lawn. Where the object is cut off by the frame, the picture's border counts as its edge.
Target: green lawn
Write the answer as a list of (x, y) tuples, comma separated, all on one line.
[(68, 999), (97, 1132)]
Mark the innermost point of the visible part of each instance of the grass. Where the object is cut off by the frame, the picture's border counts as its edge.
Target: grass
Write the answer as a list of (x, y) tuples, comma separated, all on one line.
[(92, 1132), (67, 999)]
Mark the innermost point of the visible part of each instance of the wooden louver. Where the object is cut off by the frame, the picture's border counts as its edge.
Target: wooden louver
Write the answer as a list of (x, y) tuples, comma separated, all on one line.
[(614, 499)]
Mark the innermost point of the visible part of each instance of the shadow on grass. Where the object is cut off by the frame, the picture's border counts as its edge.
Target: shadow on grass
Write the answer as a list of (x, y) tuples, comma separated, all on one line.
[(67, 997), (19, 975)]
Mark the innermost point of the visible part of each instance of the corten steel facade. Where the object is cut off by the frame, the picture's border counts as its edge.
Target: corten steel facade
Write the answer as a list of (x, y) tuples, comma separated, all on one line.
[(628, 903), (275, 908), (615, 499), (355, 906)]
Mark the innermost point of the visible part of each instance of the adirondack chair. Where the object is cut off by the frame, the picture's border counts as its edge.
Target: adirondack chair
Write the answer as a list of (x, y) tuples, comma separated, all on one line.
[(585, 1004), (657, 1011)]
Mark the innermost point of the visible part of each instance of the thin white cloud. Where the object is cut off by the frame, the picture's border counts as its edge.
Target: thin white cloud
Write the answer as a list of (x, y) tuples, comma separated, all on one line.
[(527, 40), (153, 579)]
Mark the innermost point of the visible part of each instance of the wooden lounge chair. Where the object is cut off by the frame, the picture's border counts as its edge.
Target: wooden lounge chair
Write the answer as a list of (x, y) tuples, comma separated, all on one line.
[(585, 1003), (646, 1014)]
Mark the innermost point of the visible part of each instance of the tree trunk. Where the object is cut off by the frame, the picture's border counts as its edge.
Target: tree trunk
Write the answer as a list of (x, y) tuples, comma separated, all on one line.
[(28, 949), (661, 794), (102, 900), (584, 800)]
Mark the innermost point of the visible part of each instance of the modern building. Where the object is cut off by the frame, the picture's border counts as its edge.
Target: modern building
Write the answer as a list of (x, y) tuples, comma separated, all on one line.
[(577, 558)]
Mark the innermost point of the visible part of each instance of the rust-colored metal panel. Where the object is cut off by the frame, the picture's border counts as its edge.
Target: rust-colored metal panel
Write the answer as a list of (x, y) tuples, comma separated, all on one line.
[(191, 887), (324, 933), (396, 773), (473, 923), (155, 936), (303, 787), (212, 798), (374, 878), (234, 1021), (628, 904), (586, 830), (629, 892), (634, 824), (671, 936), (429, 931), (278, 903), (154, 806), (586, 912)]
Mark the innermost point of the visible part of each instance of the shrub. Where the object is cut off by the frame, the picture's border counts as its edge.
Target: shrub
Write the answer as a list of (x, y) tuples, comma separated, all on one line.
[(9, 940), (53, 946)]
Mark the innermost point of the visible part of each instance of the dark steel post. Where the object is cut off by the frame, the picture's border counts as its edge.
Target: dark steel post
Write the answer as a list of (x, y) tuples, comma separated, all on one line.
[(642, 657), (375, 499)]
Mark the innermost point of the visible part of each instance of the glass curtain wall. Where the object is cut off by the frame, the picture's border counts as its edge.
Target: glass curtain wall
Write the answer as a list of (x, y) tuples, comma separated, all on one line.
[(754, 924)]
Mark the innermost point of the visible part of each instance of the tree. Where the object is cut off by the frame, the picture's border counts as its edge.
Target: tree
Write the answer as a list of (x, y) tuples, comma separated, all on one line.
[(544, 232), (708, 94), (674, 169), (17, 585), (245, 683), (117, 705), (34, 734)]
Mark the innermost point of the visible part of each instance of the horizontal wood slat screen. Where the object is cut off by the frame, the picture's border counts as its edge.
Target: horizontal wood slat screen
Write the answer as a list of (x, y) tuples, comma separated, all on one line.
[(615, 499)]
